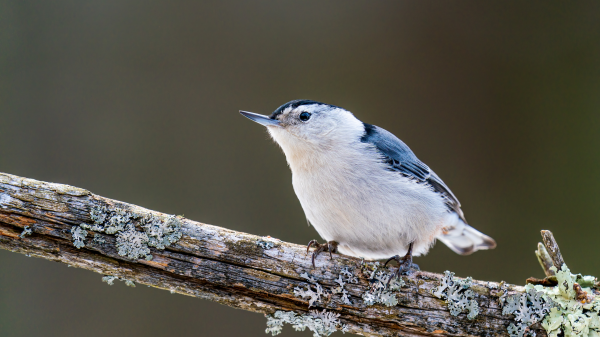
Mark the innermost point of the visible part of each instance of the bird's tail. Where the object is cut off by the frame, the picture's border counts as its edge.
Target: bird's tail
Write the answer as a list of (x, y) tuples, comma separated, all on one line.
[(464, 239)]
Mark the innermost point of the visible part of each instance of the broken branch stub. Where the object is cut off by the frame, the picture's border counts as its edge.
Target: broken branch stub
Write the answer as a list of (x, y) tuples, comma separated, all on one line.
[(544, 259), (552, 249)]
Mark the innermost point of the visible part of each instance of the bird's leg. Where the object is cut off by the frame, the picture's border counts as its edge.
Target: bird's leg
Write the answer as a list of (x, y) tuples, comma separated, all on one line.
[(330, 246), (406, 265)]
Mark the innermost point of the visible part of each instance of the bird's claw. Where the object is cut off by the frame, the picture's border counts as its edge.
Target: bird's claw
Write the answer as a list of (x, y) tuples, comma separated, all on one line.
[(406, 265), (330, 246)]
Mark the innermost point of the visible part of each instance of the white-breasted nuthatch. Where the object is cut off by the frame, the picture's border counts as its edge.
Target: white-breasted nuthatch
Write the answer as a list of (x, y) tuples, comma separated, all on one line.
[(363, 189)]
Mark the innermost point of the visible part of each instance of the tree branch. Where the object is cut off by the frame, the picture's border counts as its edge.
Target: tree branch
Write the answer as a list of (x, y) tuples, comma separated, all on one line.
[(236, 269)]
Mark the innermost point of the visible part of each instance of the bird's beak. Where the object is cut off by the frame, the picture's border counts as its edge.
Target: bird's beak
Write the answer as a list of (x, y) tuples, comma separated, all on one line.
[(260, 119)]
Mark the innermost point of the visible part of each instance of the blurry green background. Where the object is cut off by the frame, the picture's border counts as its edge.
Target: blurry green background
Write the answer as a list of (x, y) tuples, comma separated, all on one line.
[(138, 101)]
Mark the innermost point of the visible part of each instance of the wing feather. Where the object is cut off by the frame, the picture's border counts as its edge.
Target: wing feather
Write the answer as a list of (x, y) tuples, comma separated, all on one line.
[(400, 158)]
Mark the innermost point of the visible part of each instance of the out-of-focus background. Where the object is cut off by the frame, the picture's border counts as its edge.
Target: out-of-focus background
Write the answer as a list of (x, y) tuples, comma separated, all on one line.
[(138, 101)]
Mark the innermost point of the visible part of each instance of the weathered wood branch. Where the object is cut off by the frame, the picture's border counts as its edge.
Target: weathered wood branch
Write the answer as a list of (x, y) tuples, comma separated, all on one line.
[(236, 269)]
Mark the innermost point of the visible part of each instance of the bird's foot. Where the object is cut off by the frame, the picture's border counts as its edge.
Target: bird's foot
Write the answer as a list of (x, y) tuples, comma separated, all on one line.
[(406, 265), (330, 246)]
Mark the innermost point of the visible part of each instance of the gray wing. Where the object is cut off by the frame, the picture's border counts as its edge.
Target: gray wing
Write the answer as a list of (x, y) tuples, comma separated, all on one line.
[(400, 158)]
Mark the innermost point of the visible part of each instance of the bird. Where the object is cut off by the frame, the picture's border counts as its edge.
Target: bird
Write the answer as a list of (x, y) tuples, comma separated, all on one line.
[(363, 189)]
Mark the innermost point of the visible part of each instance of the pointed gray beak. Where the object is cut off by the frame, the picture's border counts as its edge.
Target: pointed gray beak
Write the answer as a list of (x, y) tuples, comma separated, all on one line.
[(260, 119)]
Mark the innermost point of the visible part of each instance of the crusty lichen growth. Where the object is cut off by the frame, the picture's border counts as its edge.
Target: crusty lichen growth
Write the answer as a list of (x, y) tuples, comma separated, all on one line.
[(26, 231), (320, 323), (109, 220), (98, 239), (266, 245), (457, 294), (528, 308), (568, 309), (111, 279), (382, 288), (78, 234), (344, 278), (133, 244), (577, 308), (162, 231), (156, 231), (383, 285), (315, 293)]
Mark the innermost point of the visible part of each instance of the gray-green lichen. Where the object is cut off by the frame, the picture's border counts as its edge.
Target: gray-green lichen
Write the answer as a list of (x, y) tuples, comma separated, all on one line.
[(315, 293), (162, 231), (135, 232), (320, 323), (266, 245), (111, 279), (382, 285), (26, 231), (109, 220), (344, 278), (568, 309), (133, 244), (529, 308), (78, 234), (98, 239), (457, 295), (501, 291), (572, 315)]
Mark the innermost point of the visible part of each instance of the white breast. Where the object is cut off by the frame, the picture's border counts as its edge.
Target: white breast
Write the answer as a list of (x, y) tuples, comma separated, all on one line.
[(370, 211)]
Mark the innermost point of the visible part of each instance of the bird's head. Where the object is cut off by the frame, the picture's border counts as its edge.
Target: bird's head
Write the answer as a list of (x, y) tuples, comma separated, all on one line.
[(304, 126)]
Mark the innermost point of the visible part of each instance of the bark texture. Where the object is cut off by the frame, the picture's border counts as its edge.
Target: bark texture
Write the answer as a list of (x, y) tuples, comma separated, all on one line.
[(240, 270)]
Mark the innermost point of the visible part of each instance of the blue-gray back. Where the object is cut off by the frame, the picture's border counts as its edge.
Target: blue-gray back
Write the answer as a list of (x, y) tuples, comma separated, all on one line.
[(400, 158)]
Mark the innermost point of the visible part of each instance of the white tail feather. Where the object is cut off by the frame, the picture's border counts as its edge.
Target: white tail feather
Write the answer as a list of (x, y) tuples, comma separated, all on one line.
[(464, 239)]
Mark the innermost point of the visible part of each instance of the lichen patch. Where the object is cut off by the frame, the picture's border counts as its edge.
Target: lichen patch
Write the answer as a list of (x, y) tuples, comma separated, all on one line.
[(457, 295), (78, 235), (162, 231), (528, 308), (159, 231), (133, 244), (111, 279), (316, 293), (383, 284), (26, 231), (572, 315), (568, 309), (322, 323), (266, 245), (98, 239)]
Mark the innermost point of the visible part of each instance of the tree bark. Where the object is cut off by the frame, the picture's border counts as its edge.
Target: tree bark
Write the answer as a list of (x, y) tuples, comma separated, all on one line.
[(240, 270)]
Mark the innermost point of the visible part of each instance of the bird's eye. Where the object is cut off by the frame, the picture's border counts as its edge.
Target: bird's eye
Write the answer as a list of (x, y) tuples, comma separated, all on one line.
[(305, 116)]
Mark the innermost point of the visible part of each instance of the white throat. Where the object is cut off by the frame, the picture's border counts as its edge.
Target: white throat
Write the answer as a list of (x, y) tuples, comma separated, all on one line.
[(318, 146)]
